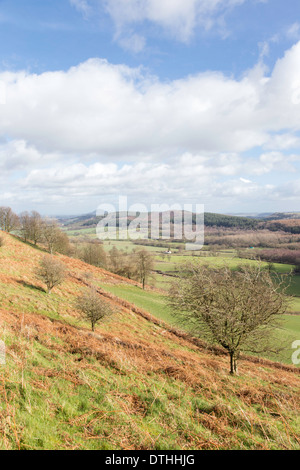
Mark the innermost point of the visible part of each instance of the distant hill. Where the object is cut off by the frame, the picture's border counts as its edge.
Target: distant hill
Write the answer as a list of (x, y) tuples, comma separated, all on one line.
[(254, 215), (221, 220), (210, 219), (284, 215), (279, 221), (290, 225)]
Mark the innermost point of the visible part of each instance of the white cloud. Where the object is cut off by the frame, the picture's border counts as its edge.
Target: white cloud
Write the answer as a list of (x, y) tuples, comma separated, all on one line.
[(178, 18), (18, 156), (116, 111), (276, 161), (244, 180), (293, 32), (100, 129), (81, 5), (188, 178), (142, 182), (133, 42)]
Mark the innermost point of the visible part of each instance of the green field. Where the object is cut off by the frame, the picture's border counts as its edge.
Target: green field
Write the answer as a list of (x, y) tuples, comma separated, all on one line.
[(156, 304), (150, 301), (174, 261)]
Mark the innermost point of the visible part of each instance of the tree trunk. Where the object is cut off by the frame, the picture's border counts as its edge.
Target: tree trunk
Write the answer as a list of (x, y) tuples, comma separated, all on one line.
[(235, 365), (232, 365)]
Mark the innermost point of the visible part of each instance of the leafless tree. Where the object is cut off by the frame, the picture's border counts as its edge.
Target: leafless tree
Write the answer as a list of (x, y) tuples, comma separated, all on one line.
[(51, 271), (92, 307), (31, 225), (9, 221), (52, 235), (35, 227), (62, 243), (94, 254), (236, 310), (25, 225), (144, 265)]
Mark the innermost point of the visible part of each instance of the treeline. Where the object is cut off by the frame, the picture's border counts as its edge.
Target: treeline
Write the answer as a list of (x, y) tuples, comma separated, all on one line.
[(136, 265), (210, 220), (220, 220), (9, 221), (34, 228), (284, 256), (38, 230), (258, 238), (289, 226), (169, 244)]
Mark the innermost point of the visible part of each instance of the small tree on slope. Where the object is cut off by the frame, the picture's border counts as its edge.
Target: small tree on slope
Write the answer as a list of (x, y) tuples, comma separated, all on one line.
[(51, 271), (92, 307), (236, 310)]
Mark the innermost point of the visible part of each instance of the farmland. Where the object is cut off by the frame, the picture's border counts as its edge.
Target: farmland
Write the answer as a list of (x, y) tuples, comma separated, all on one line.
[(68, 388), (155, 375), (168, 267)]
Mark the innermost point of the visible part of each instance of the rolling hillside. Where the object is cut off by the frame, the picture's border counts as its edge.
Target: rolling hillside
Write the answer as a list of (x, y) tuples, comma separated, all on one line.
[(122, 218), (136, 383)]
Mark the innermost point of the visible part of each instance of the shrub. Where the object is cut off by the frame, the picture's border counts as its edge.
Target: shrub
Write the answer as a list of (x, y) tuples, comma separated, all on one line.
[(51, 271), (92, 307)]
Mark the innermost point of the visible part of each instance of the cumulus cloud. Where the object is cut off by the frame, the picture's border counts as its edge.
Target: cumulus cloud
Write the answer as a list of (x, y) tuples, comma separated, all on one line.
[(18, 156), (213, 181), (101, 129), (116, 111), (186, 179)]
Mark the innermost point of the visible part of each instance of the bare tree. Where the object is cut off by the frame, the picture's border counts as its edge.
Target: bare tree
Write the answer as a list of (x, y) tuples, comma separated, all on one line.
[(236, 310), (51, 271), (52, 235), (62, 243), (92, 307), (123, 263), (35, 227), (25, 225), (9, 221), (114, 259), (31, 225), (144, 265), (94, 254)]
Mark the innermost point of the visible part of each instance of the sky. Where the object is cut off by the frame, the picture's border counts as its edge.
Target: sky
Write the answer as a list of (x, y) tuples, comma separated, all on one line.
[(161, 101)]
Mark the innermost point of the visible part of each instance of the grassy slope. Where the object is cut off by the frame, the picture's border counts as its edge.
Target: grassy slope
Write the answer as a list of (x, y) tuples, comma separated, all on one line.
[(155, 303), (132, 385)]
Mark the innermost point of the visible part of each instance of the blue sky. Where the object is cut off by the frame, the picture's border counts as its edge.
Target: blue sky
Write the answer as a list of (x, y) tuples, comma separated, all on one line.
[(41, 35), (163, 101)]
